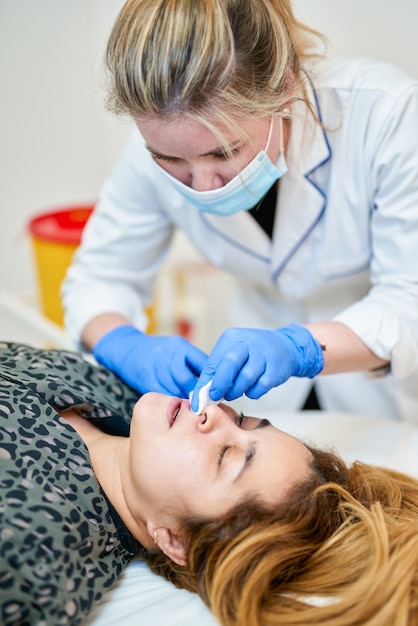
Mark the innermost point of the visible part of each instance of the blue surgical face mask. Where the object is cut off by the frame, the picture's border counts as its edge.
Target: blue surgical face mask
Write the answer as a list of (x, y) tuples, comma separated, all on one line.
[(244, 190)]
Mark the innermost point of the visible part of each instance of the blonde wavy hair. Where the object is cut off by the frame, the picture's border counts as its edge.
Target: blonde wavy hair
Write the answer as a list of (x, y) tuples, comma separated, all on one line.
[(214, 61), (342, 551)]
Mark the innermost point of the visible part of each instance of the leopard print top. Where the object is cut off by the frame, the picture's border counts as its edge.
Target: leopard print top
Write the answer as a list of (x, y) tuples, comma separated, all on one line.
[(62, 544)]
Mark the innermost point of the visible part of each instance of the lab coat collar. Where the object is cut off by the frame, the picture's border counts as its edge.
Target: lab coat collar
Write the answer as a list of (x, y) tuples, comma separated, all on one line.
[(301, 202), (308, 146)]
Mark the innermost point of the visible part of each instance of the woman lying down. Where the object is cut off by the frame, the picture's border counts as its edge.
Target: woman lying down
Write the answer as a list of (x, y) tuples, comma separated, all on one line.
[(265, 529)]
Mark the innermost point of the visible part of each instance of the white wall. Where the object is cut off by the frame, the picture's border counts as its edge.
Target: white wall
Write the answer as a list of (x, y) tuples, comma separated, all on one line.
[(56, 141), (382, 29)]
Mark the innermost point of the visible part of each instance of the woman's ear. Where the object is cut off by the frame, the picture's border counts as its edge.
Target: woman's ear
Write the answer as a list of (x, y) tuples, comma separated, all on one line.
[(170, 543)]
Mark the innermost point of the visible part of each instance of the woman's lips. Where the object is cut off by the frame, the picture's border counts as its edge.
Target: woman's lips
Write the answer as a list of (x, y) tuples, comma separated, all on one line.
[(175, 408)]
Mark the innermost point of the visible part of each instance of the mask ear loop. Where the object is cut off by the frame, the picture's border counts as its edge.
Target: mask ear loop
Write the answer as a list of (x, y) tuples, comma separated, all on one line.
[(270, 134), (281, 135), (286, 115), (281, 146), (281, 162)]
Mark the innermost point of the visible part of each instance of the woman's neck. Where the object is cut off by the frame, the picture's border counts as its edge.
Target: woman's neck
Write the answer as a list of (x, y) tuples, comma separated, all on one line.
[(109, 456)]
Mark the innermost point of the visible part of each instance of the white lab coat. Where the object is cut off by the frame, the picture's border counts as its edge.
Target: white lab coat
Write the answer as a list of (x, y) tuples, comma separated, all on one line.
[(344, 246)]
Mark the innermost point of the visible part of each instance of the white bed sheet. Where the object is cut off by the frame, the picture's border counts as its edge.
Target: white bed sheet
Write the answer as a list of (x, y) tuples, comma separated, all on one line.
[(141, 598)]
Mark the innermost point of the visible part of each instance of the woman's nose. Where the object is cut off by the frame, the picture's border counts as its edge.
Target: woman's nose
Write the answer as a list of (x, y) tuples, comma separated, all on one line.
[(210, 419), (205, 179)]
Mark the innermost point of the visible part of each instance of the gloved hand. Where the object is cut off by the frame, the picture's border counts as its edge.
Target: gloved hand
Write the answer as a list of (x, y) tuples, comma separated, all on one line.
[(149, 362), (251, 361)]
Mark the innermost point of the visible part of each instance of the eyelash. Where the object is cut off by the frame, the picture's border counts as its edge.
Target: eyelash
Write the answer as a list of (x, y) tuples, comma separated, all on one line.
[(221, 156), (241, 418), (224, 156), (159, 157)]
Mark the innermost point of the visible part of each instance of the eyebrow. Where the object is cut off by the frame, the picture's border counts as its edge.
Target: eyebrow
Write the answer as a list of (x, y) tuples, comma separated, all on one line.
[(218, 150), (250, 454), (249, 457)]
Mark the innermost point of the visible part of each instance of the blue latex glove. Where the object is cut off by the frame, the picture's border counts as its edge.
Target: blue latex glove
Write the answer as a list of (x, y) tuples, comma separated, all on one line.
[(168, 365), (251, 361)]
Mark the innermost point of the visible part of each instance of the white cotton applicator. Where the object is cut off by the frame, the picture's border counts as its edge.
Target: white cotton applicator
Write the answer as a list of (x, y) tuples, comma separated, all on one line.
[(204, 398)]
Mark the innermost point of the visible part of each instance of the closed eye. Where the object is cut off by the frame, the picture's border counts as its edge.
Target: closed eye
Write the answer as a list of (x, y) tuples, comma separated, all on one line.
[(251, 423), (216, 154), (162, 157), (227, 155), (222, 453)]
